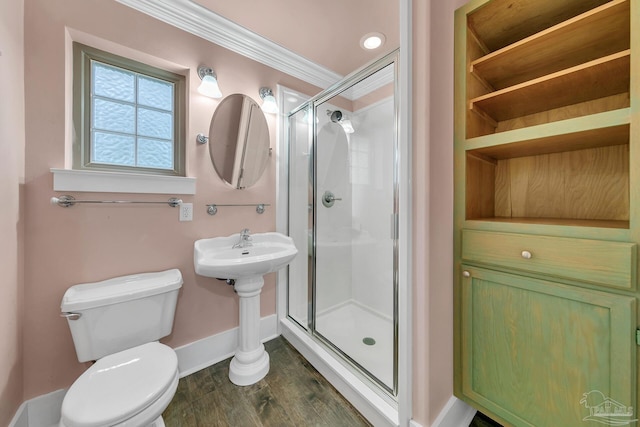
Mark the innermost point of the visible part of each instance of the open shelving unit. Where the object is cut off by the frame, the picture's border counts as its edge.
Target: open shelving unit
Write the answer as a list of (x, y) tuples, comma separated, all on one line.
[(562, 61), (546, 200)]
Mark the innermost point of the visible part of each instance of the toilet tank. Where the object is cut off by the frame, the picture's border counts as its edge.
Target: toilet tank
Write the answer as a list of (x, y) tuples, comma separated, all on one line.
[(121, 313)]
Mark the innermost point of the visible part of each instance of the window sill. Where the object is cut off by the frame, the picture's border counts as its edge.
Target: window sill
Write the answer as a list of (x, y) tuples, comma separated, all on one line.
[(120, 182)]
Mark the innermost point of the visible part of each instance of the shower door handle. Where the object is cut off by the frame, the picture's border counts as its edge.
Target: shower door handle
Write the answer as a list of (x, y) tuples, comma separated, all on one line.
[(328, 198)]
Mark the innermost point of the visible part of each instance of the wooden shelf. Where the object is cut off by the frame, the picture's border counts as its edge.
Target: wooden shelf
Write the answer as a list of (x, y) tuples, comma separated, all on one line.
[(591, 35), (593, 80), (560, 221), (500, 23), (539, 183), (580, 140)]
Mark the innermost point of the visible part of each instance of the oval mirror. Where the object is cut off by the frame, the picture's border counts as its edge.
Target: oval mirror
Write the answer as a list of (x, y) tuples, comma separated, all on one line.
[(239, 141)]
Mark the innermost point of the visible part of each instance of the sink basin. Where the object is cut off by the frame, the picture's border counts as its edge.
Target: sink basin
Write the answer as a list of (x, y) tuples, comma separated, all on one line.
[(217, 258)]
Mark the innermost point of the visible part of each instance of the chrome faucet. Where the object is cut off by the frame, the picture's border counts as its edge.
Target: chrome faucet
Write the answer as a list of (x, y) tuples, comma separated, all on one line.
[(244, 240)]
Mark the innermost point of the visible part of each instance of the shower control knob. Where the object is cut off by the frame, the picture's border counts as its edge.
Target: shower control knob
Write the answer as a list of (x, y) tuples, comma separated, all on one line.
[(328, 198)]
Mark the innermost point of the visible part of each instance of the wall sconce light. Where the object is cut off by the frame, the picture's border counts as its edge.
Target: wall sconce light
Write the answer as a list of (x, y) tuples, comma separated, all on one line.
[(209, 86), (269, 104)]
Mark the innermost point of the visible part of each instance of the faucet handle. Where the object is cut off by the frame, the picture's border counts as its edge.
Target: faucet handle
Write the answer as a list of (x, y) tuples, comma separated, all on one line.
[(245, 231)]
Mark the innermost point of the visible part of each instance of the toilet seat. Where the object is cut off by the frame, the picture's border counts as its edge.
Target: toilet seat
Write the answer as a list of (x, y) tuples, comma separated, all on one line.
[(120, 386)]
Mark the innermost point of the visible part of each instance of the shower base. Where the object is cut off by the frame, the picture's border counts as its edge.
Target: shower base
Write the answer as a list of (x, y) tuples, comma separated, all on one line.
[(362, 334)]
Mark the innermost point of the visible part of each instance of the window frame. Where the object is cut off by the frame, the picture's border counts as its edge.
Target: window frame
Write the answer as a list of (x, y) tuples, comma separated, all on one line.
[(83, 55)]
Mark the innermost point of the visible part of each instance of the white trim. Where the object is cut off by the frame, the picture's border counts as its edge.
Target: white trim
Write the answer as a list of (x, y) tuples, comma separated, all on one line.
[(41, 411), (21, 417), (208, 351), (44, 410), (120, 182), (368, 85), (455, 413), (196, 19), (373, 407), (405, 253)]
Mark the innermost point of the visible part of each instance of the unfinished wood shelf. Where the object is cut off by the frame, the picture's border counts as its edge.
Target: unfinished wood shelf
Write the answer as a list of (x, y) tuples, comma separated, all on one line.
[(562, 222), (580, 178), (500, 23), (591, 35), (536, 62), (596, 79)]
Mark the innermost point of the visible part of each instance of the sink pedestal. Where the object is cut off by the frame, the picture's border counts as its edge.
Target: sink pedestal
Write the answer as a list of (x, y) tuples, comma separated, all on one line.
[(251, 362)]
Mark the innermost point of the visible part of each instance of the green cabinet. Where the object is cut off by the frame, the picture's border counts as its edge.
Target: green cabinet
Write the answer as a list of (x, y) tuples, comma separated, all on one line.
[(532, 349), (547, 210)]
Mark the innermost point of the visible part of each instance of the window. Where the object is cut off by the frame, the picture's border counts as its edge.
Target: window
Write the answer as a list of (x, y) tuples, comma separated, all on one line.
[(128, 116)]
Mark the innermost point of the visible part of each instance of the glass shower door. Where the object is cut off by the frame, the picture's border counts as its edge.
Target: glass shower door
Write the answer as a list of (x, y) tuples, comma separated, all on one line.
[(355, 231)]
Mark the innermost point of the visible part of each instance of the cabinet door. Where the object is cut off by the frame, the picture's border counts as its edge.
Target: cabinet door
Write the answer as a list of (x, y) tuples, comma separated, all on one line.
[(533, 350)]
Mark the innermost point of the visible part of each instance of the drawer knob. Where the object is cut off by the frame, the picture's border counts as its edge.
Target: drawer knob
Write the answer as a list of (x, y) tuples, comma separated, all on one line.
[(526, 255), (466, 274)]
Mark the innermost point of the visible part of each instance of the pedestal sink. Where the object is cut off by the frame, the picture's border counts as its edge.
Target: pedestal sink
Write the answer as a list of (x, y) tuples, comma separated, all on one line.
[(263, 253)]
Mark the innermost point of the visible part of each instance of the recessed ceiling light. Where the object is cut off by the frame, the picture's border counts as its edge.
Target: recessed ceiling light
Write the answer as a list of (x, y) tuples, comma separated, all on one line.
[(372, 41)]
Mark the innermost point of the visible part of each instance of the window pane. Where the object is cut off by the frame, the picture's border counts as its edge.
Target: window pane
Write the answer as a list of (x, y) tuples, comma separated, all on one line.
[(113, 116), (155, 93), (153, 153), (112, 82), (155, 124), (113, 149)]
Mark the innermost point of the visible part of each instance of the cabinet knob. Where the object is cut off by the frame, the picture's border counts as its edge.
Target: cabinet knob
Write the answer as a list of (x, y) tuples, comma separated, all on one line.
[(526, 255), (465, 273)]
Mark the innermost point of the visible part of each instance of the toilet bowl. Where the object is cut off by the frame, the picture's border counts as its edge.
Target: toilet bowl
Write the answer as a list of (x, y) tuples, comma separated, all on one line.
[(127, 385), (129, 388)]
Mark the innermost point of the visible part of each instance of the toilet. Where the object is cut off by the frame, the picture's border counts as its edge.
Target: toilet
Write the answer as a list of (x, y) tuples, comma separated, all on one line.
[(117, 323)]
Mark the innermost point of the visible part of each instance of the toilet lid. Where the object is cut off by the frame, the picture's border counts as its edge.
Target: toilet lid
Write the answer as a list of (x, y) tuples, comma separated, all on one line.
[(119, 386)]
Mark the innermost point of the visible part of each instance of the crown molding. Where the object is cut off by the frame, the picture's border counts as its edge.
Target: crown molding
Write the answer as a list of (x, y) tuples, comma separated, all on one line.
[(204, 23), (370, 83)]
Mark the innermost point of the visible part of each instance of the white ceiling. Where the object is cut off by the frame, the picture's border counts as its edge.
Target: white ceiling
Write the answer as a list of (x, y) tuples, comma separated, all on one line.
[(325, 32)]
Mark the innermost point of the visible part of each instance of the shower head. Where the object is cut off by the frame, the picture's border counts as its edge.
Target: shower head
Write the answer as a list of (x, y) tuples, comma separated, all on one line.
[(336, 116)]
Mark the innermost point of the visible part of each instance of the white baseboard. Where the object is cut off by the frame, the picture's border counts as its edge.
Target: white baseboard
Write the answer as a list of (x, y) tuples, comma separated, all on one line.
[(455, 413), (41, 411), (44, 411), (208, 351)]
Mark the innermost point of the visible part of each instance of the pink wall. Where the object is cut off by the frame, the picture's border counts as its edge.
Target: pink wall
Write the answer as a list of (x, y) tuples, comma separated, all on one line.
[(433, 206), (86, 243), (90, 242), (11, 223)]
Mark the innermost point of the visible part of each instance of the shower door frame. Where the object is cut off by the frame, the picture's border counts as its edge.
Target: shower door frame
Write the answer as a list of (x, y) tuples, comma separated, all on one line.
[(390, 59)]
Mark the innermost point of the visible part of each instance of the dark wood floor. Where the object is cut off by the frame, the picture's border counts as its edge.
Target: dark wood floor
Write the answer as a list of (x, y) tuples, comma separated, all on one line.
[(292, 394)]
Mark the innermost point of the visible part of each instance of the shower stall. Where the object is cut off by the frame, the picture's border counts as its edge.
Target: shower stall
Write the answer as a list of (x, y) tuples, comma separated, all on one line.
[(343, 174)]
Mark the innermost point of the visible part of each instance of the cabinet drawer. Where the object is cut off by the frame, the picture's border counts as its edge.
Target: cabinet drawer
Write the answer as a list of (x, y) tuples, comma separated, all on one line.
[(611, 264)]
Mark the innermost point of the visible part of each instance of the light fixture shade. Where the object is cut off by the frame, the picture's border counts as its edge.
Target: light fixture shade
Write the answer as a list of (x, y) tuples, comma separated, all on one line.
[(269, 104), (209, 86)]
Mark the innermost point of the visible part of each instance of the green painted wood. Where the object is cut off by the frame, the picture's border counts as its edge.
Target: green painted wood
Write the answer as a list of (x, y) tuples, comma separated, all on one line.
[(580, 231), (532, 348), (610, 264)]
